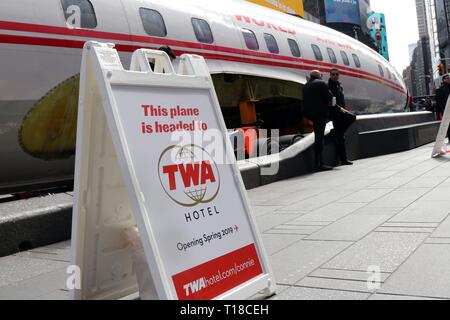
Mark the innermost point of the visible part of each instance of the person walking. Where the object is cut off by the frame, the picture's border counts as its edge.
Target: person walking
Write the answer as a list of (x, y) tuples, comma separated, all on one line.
[(342, 119), (442, 94), (316, 102)]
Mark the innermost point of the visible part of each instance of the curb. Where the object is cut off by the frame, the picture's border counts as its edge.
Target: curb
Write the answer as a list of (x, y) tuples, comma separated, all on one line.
[(40, 222)]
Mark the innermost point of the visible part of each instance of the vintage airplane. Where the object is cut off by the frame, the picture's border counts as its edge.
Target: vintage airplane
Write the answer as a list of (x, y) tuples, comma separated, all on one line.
[(259, 60)]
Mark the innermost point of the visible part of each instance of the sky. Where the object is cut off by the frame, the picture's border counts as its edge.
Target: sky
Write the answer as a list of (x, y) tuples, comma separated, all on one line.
[(401, 27)]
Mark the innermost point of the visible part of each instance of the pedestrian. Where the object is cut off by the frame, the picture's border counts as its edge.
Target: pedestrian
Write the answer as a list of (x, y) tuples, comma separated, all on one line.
[(316, 102), (170, 53), (442, 94), (342, 119)]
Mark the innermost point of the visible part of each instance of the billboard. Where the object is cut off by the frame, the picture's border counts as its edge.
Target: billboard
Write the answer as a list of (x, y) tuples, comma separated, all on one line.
[(286, 6), (342, 11)]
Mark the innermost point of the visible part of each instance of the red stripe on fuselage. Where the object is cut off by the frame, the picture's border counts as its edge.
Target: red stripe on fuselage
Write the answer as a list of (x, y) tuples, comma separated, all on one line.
[(69, 43)]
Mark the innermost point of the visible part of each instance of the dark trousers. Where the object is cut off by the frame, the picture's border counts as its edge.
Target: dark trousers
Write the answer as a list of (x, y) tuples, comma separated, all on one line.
[(341, 122), (319, 132)]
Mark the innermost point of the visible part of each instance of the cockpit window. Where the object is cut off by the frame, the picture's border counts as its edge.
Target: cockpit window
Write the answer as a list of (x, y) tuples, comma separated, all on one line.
[(153, 22), (79, 13)]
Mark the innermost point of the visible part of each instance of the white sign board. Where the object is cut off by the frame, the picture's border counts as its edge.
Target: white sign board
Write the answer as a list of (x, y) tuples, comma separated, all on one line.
[(440, 147), (165, 143)]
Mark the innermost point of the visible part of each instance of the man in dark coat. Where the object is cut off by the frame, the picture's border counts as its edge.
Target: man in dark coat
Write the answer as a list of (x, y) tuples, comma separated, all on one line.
[(341, 118), (316, 101), (442, 94)]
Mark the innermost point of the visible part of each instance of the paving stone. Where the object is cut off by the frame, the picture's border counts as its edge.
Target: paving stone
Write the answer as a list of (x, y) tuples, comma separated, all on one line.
[(299, 232), (381, 174), (14, 269), (276, 242), (443, 231), (329, 213), (271, 220), (406, 229), (56, 254), (411, 224), (299, 259), (397, 199), (425, 273), (318, 201), (384, 250), (309, 223), (299, 293), (424, 182), (392, 182), (438, 240), (262, 210), (350, 228), (345, 274), (358, 184), (423, 211), (380, 296), (367, 211), (37, 287), (366, 195), (438, 194), (290, 198), (336, 284)]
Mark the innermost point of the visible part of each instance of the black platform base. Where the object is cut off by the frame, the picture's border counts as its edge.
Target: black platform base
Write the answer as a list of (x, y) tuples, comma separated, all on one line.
[(369, 136)]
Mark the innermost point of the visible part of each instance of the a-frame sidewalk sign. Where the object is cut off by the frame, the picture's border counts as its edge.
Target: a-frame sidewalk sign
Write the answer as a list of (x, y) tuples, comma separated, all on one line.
[(439, 147), (135, 165)]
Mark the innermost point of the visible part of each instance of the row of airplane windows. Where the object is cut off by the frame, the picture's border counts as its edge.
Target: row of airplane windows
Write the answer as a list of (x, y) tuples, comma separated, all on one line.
[(154, 25)]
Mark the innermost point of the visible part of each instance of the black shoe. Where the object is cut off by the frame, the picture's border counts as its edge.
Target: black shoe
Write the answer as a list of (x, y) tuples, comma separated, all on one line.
[(323, 167), (346, 163)]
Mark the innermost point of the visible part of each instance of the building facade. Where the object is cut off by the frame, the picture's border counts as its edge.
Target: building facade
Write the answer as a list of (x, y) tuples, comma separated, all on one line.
[(349, 17), (378, 32)]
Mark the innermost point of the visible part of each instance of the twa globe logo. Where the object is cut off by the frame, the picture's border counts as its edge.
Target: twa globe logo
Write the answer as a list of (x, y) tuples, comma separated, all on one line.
[(188, 175)]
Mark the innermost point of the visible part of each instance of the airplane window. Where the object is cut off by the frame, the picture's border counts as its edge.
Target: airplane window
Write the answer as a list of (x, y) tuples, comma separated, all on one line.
[(294, 48), (202, 30), (388, 73), (271, 43), (345, 58), (250, 39), (153, 22), (79, 13), (317, 52), (381, 71), (332, 55), (356, 59)]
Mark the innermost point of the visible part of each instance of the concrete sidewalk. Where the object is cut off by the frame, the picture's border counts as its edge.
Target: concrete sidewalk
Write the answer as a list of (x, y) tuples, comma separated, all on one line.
[(325, 234)]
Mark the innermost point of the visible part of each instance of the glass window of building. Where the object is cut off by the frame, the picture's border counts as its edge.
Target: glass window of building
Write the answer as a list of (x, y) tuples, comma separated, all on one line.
[(356, 59), (250, 39), (202, 30), (271, 43), (153, 22), (295, 50), (332, 55), (79, 13), (345, 58), (317, 52)]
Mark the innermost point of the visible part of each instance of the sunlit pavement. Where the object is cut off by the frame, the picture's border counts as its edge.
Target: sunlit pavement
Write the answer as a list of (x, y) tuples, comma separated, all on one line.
[(377, 230)]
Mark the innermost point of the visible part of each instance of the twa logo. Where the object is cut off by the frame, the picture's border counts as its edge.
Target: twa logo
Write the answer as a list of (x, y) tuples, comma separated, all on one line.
[(194, 286), (188, 175)]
